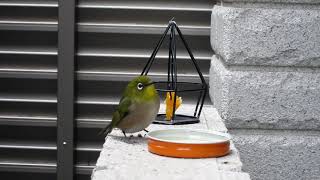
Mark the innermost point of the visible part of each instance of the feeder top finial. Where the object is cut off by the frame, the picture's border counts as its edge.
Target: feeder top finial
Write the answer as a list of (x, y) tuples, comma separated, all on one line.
[(172, 21)]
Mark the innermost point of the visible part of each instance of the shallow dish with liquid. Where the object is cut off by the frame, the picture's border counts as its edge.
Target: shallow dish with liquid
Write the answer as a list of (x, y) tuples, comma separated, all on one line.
[(187, 143)]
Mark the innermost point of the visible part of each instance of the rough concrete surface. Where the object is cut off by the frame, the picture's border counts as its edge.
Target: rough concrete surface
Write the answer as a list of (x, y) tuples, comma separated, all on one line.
[(279, 155), (284, 36), (128, 158), (267, 98)]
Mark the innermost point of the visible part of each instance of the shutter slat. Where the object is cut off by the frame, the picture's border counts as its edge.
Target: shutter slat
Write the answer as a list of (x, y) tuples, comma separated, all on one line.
[(144, 16), (29, 3), (139, 28), (176, 5)]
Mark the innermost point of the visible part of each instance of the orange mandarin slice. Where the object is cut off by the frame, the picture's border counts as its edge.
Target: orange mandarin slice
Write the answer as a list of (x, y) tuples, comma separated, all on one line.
[(169, 104)]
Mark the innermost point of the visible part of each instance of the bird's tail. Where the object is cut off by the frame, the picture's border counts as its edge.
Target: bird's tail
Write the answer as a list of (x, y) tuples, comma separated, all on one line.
[(106, 130)]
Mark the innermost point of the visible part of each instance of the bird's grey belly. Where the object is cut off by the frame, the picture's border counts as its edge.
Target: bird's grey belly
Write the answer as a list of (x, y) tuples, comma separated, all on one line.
[(140, 118)]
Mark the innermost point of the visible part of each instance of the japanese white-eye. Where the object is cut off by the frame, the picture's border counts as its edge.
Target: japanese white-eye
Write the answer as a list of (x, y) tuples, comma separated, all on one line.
[(138, 107)]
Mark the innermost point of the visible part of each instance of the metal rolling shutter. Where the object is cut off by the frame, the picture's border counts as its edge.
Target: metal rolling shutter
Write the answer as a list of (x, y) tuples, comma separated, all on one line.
[(114, 40)]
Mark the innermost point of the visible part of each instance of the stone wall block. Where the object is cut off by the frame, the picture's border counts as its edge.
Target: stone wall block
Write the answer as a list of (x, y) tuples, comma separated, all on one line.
[(279, 154), (267, 98), (267, 35)]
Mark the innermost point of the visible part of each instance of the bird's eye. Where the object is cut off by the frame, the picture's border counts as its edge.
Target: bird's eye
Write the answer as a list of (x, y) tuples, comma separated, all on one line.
[(140, 86)]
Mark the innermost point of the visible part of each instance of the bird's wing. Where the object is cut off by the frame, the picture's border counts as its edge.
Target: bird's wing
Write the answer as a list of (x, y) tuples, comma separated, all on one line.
[(124, 108)]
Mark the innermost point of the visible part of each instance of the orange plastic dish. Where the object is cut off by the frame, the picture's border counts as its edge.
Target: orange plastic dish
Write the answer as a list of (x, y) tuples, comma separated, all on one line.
[(185, 143)]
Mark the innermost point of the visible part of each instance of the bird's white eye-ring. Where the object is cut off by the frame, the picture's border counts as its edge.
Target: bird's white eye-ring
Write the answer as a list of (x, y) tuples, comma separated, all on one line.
[(140, 86)]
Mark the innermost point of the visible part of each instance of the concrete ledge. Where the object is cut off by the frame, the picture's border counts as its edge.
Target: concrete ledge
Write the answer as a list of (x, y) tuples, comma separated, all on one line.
[(266, 98), (279, 154), (128, 158), (273, 36)]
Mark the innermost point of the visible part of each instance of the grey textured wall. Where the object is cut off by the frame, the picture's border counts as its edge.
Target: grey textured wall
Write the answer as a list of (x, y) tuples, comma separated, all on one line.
[(265, 83)]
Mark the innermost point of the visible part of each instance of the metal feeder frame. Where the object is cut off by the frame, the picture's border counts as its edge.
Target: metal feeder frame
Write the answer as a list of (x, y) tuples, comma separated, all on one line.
[(172, 80)]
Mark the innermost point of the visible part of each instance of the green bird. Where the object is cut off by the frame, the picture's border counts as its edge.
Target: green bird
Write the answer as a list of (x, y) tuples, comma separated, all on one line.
[(138, 107)]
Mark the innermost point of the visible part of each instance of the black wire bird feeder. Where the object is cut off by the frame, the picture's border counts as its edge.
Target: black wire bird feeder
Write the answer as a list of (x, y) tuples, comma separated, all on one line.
[(172, 84)]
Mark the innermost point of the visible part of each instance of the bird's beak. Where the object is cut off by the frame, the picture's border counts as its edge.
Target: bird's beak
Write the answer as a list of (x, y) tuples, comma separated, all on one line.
[(149, 84)]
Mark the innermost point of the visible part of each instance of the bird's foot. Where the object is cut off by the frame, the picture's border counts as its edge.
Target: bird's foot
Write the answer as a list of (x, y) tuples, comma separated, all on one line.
[(124, 133)]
